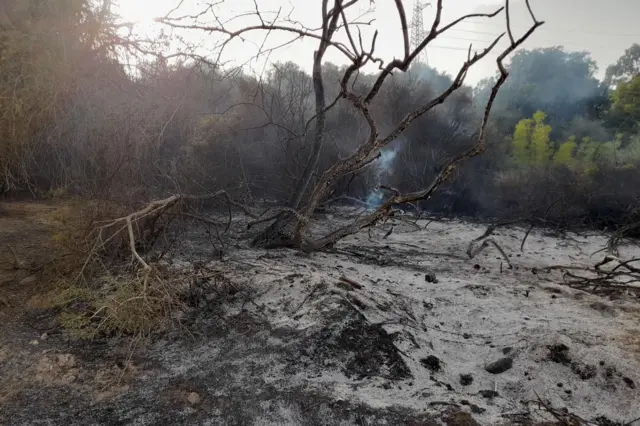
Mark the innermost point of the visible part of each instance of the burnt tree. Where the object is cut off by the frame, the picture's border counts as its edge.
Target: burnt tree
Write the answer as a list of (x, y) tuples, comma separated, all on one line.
[(291, 225)]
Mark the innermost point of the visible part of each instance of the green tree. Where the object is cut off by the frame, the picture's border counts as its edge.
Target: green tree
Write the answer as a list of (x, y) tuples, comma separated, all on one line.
[(540, 143), (608, 154), (531, 143), (521, 139), (564, 156), (630, 154), (586, 154), (562, 84), (626, 68), (625, 107)]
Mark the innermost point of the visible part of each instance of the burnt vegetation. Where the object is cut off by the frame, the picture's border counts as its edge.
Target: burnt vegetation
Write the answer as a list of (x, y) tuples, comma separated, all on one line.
[(249, 217), (143, 139)]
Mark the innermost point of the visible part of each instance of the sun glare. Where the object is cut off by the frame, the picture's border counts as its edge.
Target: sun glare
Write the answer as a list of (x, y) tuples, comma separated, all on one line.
[(141, 13)]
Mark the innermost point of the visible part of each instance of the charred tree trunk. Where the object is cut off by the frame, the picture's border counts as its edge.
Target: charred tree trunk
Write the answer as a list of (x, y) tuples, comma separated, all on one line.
[(276, 234)]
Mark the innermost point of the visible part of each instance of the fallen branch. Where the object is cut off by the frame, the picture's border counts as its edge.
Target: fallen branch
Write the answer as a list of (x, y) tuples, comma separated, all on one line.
[(141, 226), (311, 293), (474, 251), (132, 244), (624, 277), (491, 228), (388, 233), (565, 418), (351, 282), (619, 235), (273, 214), (526, 235)]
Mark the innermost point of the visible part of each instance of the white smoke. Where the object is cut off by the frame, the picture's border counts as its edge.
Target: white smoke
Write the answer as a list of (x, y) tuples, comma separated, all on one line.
[(384, 168)]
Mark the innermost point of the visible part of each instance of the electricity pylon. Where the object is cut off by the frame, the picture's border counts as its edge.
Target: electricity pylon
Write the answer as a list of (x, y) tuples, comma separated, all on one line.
[(417, 30)]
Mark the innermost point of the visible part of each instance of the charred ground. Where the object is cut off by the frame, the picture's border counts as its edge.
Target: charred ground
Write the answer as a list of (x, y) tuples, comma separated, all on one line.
[(279, 337)]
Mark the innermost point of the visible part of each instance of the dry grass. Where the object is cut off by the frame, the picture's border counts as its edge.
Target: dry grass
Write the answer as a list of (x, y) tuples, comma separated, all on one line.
[(95, 292), (104, 292), (121, 305)]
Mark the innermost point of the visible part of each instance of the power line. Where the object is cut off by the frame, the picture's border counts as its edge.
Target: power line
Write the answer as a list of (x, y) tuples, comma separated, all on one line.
[(475, 32), (547, 29), (555, 43), (430, 46)]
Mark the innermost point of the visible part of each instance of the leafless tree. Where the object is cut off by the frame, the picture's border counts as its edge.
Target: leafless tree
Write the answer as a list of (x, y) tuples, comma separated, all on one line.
[(291, 227)]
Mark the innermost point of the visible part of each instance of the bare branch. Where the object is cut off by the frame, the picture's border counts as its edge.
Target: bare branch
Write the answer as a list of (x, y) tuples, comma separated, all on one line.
[(508, 16), (403, 64), (448, 168), (333, 18)]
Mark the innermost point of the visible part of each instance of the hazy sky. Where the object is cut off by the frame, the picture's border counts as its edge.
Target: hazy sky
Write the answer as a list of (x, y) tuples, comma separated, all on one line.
[(604, 28)]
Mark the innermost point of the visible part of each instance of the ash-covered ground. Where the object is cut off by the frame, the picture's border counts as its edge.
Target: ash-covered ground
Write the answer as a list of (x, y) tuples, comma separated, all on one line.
[(402, 330)]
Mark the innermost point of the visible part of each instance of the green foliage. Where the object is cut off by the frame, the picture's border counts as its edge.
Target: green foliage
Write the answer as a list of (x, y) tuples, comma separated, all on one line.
[(521, 140), (564, 156), (586, 154), (532, 146), (540, 148), (561, 83), (625, 107), (630, 154), (608, 154), (626, 68), (593, 156), (531, 143)]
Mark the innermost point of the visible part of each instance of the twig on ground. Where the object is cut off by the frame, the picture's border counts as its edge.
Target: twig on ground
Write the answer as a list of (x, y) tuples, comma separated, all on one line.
[(351, 282), (565, 418), (619, 235), (473, 252), (388, 233), (622, 277), (525, 236), (491, 228), (311, 293)]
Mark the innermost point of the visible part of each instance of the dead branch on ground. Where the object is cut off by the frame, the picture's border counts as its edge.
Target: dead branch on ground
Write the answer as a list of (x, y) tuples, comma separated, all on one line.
[(351, 282), (474, 251), (564, 417), (618, 236), (623, 277), (140, 229)]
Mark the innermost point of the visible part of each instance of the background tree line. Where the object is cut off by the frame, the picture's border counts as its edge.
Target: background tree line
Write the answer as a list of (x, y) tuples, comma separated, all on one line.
[(76, 118)]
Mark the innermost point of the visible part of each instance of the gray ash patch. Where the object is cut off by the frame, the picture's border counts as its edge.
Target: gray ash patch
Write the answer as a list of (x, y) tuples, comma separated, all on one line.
[(272, 347), (239, 380), (349, 343), (387, 256)]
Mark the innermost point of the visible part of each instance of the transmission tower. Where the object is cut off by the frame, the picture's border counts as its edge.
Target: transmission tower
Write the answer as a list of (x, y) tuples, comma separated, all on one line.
[(417, 30)]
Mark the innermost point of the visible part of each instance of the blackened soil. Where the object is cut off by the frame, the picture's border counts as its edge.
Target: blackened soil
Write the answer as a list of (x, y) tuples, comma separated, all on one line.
[(354, 346)]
